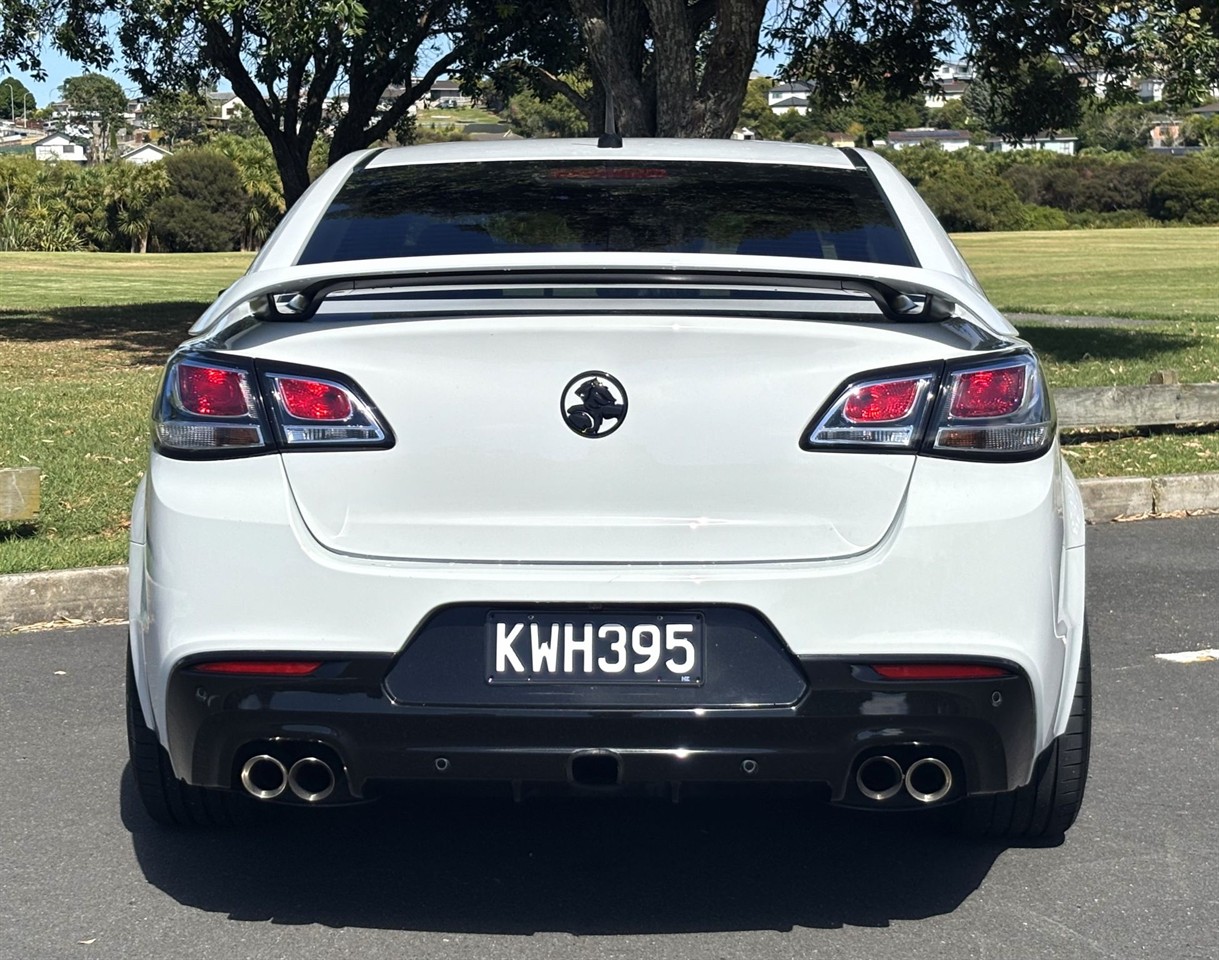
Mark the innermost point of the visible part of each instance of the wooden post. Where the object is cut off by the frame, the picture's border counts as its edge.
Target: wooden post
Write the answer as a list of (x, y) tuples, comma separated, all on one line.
[(19, 493)]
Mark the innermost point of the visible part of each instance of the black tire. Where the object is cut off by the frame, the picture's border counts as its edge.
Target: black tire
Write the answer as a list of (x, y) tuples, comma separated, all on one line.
[(1049, 804), (168, 800)]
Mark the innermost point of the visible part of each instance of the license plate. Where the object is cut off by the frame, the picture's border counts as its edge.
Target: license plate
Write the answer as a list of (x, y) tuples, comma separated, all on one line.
[(525, 647)]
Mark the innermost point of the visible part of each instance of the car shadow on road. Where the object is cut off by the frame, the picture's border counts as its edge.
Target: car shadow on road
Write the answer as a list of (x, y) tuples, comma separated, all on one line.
[(584, 867)]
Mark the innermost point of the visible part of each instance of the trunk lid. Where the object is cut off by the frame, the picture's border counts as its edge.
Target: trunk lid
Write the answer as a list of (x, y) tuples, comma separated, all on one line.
[(705, 465)]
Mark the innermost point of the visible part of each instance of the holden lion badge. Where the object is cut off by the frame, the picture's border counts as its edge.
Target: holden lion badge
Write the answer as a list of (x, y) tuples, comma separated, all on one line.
[(593, 404)]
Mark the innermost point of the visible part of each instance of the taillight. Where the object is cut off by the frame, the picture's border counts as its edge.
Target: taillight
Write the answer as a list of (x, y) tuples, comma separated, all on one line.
[(881, 402), (222, 406), (208, 407), (883, 413), (212, 391), (313, 399), (999, 409), (987, 393), (313, 410)]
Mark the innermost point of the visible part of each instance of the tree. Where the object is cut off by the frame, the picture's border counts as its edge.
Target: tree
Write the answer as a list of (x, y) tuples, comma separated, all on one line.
[(531, 115), (877, 111), (180, 115), (96, 99), (15, 100), (132, 191), (755, 110), (286, 60), (260, 181)]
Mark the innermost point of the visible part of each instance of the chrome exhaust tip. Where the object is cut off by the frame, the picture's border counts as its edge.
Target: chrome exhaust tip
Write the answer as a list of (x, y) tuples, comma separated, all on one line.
[(879, 778), (928, 780), (311, 779), (264, 777)]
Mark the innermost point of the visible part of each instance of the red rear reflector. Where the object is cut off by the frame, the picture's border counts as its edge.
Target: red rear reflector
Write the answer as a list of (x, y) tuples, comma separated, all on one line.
[(881, 402), (939, 671), (211, 391), (988, 393), (260, 668), (314, 399)]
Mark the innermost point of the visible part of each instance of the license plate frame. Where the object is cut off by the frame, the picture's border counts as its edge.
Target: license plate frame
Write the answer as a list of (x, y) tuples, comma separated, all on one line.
[(620, 643)]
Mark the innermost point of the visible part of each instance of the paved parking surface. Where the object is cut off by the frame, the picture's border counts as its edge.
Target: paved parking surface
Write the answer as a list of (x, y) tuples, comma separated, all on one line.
[(83, 873)]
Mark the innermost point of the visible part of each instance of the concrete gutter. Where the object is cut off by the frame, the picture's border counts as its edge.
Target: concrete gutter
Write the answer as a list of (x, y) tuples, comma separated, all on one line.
[(100, 593)]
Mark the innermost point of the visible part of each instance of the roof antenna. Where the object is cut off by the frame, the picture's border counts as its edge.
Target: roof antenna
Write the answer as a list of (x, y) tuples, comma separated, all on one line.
[(611, 137)]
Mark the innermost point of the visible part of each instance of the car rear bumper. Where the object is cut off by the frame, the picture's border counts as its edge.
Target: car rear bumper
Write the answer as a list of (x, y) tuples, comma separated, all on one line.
[(981, 729), (221, 564)]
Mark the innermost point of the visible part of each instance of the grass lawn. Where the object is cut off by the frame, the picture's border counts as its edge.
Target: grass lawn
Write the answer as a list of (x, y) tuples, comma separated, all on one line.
[(83, 338), (1167, 274)]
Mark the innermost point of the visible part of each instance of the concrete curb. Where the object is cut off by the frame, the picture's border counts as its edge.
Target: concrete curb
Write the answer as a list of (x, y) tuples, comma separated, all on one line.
[(91, 593), (1120, 497), (99, 593)]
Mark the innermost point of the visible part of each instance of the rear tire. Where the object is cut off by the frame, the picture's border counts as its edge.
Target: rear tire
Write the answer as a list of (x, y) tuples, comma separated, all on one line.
[(1046, 807), (168, 800)]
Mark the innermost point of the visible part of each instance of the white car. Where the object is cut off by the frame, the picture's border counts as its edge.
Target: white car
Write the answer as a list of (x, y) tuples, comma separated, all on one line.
[(563, 465)]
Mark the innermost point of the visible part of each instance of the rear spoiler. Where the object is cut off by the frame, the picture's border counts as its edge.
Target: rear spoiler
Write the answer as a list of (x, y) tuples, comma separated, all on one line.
[(903, 294)]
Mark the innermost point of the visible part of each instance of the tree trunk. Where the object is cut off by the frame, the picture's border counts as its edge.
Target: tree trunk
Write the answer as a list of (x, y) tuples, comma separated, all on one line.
[(649, 54)]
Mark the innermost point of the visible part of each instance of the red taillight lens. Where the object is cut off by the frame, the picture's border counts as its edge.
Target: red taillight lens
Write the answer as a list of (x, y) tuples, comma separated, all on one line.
[(881, 402), (939, 671), (988, 393), (212, 391), (314, 399), (260, 668)]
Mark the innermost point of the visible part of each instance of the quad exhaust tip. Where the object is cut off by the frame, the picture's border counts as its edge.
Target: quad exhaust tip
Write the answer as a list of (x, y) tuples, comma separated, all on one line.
[(264, 777)]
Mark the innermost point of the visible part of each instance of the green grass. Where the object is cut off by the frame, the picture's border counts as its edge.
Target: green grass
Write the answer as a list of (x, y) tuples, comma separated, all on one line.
[(1146, 455), (1149, 274), (83, 338), (1109, 356), (455, 116)]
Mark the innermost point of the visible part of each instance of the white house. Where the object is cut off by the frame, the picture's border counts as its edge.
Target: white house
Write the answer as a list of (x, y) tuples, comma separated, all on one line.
[(223, 103), (779, 97), (947, 140), (145, 153), (936, 96), (799, 104), (1151, 89), (447, 94), (1045, 141), (59, 146)]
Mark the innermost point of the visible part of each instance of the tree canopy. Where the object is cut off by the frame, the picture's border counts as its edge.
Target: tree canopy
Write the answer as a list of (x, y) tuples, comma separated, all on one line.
[(15, 99), (97, 100), (668, 67)]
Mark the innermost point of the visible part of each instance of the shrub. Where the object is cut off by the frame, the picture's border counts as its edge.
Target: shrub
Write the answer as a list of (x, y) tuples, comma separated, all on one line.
[(1187, 191), (204, 208), (966, 203), (1044, 218)]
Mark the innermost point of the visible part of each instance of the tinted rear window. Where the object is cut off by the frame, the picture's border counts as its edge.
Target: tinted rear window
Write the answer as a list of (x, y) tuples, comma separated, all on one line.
[(573, 206)]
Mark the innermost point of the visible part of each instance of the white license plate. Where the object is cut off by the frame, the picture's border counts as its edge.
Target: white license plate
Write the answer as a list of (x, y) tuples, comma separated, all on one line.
[(525, 647)]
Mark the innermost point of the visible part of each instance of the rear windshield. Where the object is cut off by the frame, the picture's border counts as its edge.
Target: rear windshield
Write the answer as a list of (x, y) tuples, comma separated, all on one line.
[(573, 206)]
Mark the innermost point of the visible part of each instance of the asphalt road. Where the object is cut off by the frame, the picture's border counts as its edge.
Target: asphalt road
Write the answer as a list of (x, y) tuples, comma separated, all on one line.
[(84, 874)]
